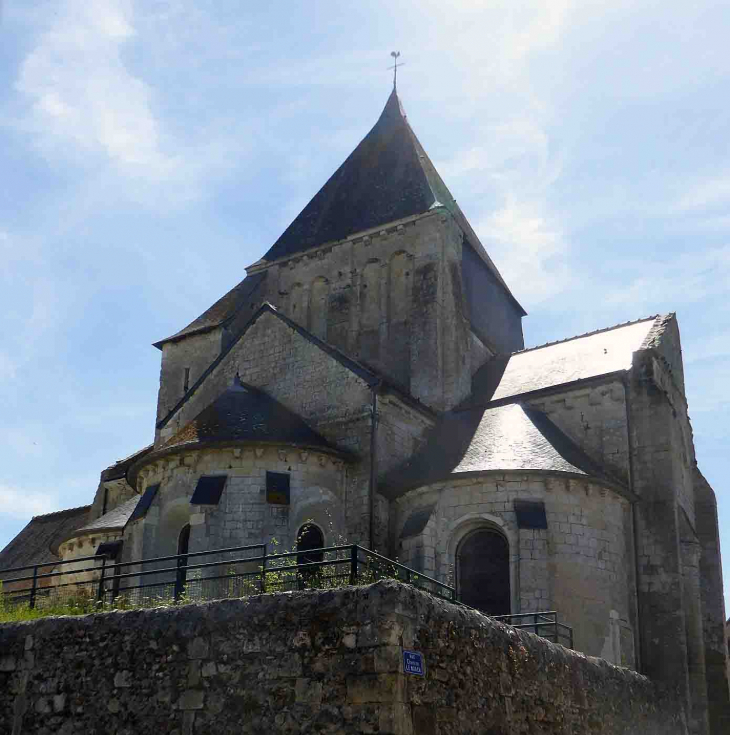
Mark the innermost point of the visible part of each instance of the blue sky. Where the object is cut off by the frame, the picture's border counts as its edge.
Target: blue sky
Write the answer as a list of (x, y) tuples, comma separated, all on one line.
[(151, 150)]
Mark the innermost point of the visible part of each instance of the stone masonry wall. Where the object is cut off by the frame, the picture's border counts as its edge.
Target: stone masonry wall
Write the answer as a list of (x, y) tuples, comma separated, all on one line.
[(581, 565), (313, 662), (243, 516), (595, 418)]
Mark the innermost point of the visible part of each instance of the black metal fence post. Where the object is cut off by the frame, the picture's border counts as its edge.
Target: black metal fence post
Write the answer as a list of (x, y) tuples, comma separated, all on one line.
[(34, 587), (100, 591), (180, 577), (263, 571), (353, 564)]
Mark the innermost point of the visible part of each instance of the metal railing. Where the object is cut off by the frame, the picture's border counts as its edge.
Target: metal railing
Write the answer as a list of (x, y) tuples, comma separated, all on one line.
[(205, 575), (99, 582), (544, 624)]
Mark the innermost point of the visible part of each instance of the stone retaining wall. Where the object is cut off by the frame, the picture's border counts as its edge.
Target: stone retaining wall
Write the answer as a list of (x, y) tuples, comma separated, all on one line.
[(312, 662)]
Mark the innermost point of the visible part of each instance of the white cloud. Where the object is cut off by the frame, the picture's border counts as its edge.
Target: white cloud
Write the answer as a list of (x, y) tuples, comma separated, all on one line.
[(690, 277), (22, 504), (530, 250), (713, 191), (84, 99)]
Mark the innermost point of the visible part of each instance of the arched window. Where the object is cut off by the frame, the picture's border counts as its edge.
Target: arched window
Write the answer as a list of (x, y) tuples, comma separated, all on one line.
[(482, 562), (183, 544), (309, 537)]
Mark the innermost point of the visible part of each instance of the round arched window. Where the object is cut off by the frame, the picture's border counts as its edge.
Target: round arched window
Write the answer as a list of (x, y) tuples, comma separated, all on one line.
[(482, 561), (309, 537)]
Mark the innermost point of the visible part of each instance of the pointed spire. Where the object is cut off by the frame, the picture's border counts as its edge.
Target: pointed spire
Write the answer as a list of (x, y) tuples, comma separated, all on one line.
[(386, 178)]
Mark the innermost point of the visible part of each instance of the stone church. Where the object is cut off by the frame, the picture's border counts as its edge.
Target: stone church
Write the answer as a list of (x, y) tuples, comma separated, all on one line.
[(368, 381)]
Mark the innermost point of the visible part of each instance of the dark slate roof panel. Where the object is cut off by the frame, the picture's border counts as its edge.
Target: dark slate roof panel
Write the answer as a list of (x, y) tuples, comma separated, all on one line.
[(223, 310), (382, 180), (116, 518), (109, 549), (38, 541), (245, 413), (579, 358), (507, 438), (502, 438), (209, 489), (145, 502)]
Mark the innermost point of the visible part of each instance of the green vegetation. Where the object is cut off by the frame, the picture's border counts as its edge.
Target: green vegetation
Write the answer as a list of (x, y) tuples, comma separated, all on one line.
[(240, 581)]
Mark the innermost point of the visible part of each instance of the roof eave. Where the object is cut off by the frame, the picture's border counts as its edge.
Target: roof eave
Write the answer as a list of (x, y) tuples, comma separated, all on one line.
[(394, 493), (166, 452)]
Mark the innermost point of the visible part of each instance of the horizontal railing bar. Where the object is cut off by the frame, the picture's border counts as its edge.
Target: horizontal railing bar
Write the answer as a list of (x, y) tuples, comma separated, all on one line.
[(374, 554), (189, 554), (525, 615), (46, 564)]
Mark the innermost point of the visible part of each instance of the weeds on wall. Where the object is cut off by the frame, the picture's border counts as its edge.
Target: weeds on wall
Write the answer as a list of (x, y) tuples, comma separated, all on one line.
[(282, 571)]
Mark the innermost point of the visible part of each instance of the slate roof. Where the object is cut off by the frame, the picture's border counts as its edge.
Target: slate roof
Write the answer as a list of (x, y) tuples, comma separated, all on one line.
[(244, 413), (119, 469), (388, 177), (511, 437), (367, 374), (223, 311), (115, 519), (578, 358), (383, 179), (38, 541)]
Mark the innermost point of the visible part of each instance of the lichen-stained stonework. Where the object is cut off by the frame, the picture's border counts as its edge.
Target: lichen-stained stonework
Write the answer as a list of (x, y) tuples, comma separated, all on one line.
[(318, 662), (373, 362), (581, 564), (242, 516)]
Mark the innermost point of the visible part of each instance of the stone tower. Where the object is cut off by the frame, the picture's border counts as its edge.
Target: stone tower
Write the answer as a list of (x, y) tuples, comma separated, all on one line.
[(381, 264)]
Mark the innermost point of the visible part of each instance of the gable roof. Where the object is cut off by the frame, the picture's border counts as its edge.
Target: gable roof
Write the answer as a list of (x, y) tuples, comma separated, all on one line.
[(118, 470), (366, 374), (578, 358), (245, 413), (502, 438), (223, 311), (115, 519), (388, 177), (38, 541), (385, 178)]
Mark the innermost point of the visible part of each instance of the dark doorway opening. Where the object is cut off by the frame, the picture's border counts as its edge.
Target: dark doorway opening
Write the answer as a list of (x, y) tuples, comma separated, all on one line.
[(483, 572), (309, 537)]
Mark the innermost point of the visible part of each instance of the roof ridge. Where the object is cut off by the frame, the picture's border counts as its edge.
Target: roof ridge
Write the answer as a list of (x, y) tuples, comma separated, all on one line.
[(60, 512), (587, 334), (125, 459), (267, 306)]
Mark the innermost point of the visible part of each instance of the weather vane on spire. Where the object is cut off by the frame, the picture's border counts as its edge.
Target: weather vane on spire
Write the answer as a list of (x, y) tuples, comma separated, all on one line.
[(395, 55)]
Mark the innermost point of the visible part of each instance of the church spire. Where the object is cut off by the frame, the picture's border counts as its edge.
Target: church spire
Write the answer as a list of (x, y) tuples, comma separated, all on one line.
[(386, 178)]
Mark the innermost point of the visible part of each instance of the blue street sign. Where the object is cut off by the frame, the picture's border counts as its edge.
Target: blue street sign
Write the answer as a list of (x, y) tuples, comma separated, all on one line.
[(413, 663)]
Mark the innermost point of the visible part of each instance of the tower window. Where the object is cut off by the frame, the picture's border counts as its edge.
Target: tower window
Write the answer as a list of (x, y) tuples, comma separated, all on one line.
[(277, 488), (186, 380)]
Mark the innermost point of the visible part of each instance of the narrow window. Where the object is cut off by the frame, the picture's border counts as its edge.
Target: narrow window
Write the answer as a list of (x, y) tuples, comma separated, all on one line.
[(483, 572), (186, 380), (277, 488), (183, 545)]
